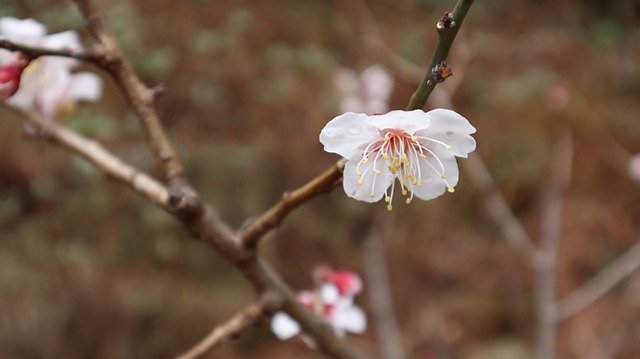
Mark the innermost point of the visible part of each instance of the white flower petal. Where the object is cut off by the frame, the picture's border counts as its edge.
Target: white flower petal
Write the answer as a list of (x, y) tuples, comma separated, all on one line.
[(348, 134), (329, 293), (373, 185), (351, 319), (433, 184), (85, 86), (283, 326), (409, 121), (16, 29), (451, 128), (69, 40)]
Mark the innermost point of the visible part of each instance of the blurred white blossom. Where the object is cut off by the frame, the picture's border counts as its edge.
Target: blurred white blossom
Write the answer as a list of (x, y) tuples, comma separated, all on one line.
[(367, 92), (634, 167), (48, 86), (415, 147), (333, 301)]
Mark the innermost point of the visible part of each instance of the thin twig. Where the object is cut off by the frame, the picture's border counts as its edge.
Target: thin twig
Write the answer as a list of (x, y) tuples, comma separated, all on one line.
[(99, 58), (272, 218), (545, 287), (498, 208), (232, 328), (599, 285), (448, 31)]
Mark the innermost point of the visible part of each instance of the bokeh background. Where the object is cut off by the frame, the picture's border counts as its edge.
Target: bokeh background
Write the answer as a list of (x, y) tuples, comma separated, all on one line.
[(89, 270)]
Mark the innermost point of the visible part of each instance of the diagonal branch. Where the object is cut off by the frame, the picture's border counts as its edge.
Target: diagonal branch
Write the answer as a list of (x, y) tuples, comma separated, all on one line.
[(598, 286), (204, 224), (265, 306), (498, 208), (272, 218), (104, 160)]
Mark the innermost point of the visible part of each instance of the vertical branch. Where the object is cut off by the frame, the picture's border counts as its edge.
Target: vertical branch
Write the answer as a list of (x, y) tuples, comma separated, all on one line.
[(545, 286), (447, 28), (140, 97), (388, 333)]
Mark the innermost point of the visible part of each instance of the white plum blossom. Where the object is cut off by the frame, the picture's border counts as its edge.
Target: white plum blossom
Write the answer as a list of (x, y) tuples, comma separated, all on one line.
[(332, 303), (416, 148), (48, 86), (366, 93)]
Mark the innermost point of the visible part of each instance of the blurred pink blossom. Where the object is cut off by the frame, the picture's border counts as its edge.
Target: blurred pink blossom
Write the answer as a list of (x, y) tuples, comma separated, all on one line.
[(365, 93), (47, 85), (329, 303), (10, 75)]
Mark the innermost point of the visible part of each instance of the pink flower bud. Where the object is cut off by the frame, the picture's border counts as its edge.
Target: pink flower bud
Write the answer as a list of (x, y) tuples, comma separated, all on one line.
[(10, 75)]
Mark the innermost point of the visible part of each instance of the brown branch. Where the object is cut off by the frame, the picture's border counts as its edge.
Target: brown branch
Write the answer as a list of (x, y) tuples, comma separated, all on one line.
[(272, 218), (254, 313), (602, 283), (379, 288), (97, 155), (545, 264), (96, 57), (141, 99), (204, 224)]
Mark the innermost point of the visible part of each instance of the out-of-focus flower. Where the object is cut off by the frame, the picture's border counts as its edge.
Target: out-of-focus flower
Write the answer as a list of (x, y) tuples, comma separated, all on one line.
[(331, 304), (365, 93), (634, 167), (47, 85), (415, 147), (347, 282), (10, 75)]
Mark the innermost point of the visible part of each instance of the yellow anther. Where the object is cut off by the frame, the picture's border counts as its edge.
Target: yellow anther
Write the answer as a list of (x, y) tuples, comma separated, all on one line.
[(422, 155), (359, 173), (387, 199), (389, 208), (404, 192), (451, 190), (404, 157), (448, 147), (385, 156), (377, 172), (396, 159), (372, 195), (413, 139), (365, 160), (409, 189), (419, 183), (408, 201), (360, 181), (443, 175), (402, 182)]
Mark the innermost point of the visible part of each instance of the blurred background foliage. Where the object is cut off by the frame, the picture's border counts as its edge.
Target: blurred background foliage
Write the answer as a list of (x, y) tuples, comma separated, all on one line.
[(89, 270)]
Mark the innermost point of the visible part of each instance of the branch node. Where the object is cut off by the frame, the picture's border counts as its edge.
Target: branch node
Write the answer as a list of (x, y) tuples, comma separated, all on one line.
[(441, 72), (446, 22)]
